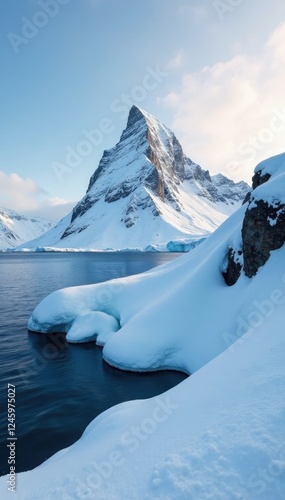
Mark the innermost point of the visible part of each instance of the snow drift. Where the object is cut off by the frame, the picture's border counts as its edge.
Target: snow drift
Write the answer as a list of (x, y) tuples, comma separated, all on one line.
[(220, 433)]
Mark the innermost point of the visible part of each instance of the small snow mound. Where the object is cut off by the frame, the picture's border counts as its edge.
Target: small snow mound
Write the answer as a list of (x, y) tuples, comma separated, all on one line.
[(93, 325)]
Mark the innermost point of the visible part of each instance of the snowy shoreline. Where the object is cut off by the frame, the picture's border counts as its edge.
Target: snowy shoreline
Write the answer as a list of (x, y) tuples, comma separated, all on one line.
[(180, 246), (219, 433)]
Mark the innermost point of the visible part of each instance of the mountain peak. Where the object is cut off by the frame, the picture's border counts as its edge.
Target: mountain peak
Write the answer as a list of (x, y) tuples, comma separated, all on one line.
[(136, 113), (144, 192), (141, 122), (16, 228)]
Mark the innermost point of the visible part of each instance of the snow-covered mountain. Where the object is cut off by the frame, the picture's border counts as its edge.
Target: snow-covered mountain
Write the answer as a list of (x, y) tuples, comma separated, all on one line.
[(16, 229), (220, 434), (146, 193)]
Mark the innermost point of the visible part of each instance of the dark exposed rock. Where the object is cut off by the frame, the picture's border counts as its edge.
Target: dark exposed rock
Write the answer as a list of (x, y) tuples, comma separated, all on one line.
[(259, 179), (227, 189), (82, 207), (232, 273), (129, 222), (154, 181), (135, 118), (247, 198), (201, 175), (170, 196), (263, 231), (68, 232), (217, 188), (103, 165), (179, 159), (10, 235), (131, 215), (121, 191)]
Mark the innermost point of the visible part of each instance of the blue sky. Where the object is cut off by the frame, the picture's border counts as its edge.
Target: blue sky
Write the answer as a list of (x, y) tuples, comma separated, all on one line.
[(211, 70)]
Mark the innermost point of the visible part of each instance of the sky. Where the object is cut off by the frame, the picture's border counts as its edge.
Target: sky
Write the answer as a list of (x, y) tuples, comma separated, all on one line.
[(211, 70)]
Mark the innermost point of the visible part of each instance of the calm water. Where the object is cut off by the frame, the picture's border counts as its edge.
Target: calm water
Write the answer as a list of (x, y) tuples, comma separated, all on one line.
[(60, 387)]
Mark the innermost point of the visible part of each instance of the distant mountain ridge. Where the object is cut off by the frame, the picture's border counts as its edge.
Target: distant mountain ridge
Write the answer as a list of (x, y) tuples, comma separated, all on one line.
[(146, 193), (16, 229)]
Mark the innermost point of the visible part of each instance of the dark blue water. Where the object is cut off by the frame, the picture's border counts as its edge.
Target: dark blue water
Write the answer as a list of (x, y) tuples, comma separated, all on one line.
[(60, 387)]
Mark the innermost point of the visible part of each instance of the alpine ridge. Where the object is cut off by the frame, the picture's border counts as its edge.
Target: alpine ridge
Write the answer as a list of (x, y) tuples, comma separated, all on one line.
[(146, 195), (16, 229)]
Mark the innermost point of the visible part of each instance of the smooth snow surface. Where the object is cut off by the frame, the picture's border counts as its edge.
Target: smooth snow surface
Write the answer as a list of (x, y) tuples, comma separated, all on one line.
[(220, 434)]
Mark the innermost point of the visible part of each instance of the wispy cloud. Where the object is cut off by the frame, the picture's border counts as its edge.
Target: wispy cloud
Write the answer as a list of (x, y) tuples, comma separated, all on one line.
[(226, 115), (27, 197)]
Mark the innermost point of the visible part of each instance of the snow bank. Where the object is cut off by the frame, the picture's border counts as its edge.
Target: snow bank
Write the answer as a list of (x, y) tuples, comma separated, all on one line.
[(220, 433), (160, 312)]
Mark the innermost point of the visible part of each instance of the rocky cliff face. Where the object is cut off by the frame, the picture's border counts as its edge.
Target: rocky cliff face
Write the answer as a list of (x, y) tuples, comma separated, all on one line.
[(160, 169), (146, 192), (263, 229)]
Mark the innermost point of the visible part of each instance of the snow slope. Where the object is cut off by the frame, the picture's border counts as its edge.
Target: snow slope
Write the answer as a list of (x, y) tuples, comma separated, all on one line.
[(16, 229), (146, 192), (220, 434)]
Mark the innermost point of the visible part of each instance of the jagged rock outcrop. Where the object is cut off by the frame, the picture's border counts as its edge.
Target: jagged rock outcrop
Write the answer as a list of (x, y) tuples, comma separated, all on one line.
[(259, 178), (233, 268), (263, 228), (263, 231)]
